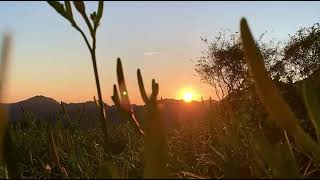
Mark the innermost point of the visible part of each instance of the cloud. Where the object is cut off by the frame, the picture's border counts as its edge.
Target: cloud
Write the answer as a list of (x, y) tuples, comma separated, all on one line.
[(150, 53)]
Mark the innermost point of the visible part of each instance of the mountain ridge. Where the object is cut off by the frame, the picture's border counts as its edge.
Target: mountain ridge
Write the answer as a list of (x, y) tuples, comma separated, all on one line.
[(46, 98), (50, 109)]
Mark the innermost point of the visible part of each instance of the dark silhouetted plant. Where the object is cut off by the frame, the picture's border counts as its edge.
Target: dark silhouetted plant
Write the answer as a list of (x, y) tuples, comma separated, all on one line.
[(310, 90), (5, 136), (54, 157), (153, 130), (122, 102), (66, 11), (275, 105), (154, 141)]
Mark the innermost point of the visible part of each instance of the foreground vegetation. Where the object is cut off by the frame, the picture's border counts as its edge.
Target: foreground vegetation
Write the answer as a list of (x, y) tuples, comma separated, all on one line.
[(212, 149), (255, 130)]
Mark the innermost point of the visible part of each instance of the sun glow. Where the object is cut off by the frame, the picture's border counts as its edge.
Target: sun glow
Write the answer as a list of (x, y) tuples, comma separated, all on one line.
[(188, 94), (187, 97)]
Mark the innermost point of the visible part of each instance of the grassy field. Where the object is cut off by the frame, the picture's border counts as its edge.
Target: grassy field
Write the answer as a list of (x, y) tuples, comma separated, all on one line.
[(214, 148)]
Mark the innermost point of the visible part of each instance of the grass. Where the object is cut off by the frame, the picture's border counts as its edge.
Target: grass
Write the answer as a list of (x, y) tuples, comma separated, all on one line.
[(200, 152), (192, 153)]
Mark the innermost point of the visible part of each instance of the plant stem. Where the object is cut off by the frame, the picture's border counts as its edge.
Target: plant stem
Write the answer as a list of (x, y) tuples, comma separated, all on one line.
[(96, 75), (84, 37)]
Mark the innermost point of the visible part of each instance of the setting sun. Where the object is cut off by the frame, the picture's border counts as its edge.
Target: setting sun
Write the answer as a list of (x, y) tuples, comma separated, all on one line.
[(188, 94), (187, 97)]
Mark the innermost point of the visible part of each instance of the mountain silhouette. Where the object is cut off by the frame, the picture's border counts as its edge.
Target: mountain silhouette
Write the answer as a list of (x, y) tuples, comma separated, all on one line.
[(39, 100), (173, 111), (39, 105)]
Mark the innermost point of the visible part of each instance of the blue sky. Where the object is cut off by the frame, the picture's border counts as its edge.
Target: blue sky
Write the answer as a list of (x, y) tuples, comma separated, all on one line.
[(51, 59)]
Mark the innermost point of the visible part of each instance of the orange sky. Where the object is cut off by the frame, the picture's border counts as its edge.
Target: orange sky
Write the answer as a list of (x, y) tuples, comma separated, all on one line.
[(51, 59)]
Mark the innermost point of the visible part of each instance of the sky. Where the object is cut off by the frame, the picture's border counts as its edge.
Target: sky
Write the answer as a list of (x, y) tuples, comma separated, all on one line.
[(161, 38)]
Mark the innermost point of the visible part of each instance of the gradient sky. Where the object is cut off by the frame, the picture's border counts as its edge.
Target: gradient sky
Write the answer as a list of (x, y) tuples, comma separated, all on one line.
[(50, 57)]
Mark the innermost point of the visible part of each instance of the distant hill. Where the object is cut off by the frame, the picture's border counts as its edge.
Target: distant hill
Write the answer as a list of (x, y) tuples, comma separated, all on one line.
[(39, 105), (46, 108)]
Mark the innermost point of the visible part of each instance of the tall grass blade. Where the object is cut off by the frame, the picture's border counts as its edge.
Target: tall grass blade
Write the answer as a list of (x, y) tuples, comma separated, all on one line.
[(5, 138), (53, 150), (279, 159), (141, 88), (270, 95), (311, 95), (125, 102)]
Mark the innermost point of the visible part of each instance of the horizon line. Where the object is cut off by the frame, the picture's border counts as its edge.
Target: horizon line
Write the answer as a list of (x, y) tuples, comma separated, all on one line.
[(93, 100)]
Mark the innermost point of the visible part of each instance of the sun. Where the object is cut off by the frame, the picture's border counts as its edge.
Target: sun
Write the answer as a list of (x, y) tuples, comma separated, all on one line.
[(187, 97), (187, 94)]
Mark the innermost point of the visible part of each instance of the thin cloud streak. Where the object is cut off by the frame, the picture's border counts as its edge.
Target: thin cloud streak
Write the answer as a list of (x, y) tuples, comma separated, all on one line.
[(150, 53)]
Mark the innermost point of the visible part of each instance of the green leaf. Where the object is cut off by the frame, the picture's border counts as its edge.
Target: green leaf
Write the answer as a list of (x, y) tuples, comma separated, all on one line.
[(270, 96), (58, 7), (80, 7), (96, 102), (69, 12), (279, 158), (11, 151), (53, 150), (125, 102), (100, 10), (115, 98), (93, 16), (311, 89), (4, 60), (155, 91), (141, 88), (64, 110), (276, 105), (99, 14)]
